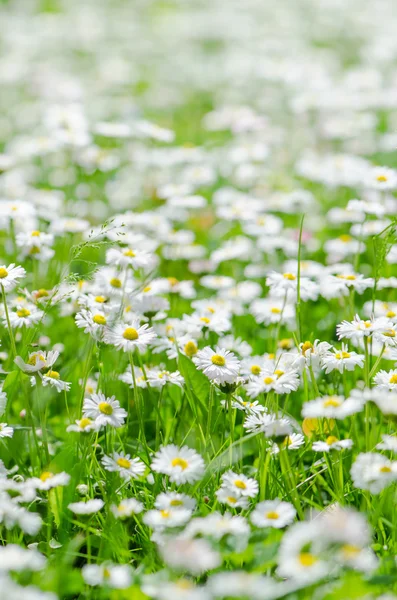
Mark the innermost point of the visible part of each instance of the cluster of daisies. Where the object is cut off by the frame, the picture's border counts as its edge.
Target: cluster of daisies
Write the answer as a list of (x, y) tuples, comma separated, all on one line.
[(198, 360)]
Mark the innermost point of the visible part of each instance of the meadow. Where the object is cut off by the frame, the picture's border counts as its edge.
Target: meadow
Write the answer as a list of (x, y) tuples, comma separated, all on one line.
[(198, 250)]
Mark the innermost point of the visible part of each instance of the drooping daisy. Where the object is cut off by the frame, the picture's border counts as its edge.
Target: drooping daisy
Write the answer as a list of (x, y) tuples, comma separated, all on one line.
[(127, 467), (129, 336), (273, 513), (182, 465), (218, 364), (10, 275), (105, 411), (37, 361)]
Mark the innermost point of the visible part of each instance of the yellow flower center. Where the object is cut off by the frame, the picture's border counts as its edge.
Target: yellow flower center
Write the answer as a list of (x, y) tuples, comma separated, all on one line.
[(23, 312), (285, 344), (231, 499), (332, 401), (130, 334), (307, 559), (180, 462), (3, 273), (173, 281), (345, 238), (35, 233), (218, 360), (165, 513), (331, 439), (42, 293), (390, 333), (273, 515), (390, 314), (52, 374), (105, 408), (115, 282), (147, 289), (176, 503), (350, 551), (100, 299), (275, 311), (99, 319), (340, 355), (307, 346), (34, 358), (46, 475), (255, 369), (268, 380), (381, 178), (289, 276), (393, 378), (85, 422), (124, 463), (129, 253), (278, 372), (385, 469), (240, 484), (205, 320)]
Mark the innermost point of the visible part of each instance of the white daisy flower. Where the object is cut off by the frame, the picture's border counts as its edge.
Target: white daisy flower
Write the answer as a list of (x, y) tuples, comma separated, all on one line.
[(10, 275), (127, 508), (389, 442), (24, 316), (162, 519), (127, 467), (86, 508), (113, 576), (129, 257), (341, 360), (182, 465), (84, 425), (229, 496), (240, 484), (105, 411), (332, 407), (218, 364), (332, 443), (273, 513), (386, 380), (128, 336), (49, 480), (6, 430), (52, 378), (174, 501), (373, 472)]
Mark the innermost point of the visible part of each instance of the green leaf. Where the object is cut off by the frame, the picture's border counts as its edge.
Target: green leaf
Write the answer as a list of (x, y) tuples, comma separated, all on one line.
[(197, 382)]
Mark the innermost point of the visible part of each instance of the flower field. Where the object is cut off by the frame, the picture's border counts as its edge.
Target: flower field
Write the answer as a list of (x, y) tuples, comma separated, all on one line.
[(198, 308)]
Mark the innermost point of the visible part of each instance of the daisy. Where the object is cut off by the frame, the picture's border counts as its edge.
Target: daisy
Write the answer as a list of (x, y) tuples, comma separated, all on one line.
[(386, 380), (24, 316), (294, 441), (240, 484), (182, 465), (127, 467), (86, 508), (174, 500), (299, 555), (332, 407), (158, 378), (373, 472), (49, 480), (6, 430), (196, 556), (128, 336), (389, 442), (341, 360), (127, 508), (218, 364), (229, 496), (107, 575), (105, 411), (84, 425), (129, 257), (10, 275), (273, 513), (279, 381), (161, 519), (358, 328), (332, 443), (37, 361), (285, 285), (52, 378), (381, 178), (92, 322), (268, 424)]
